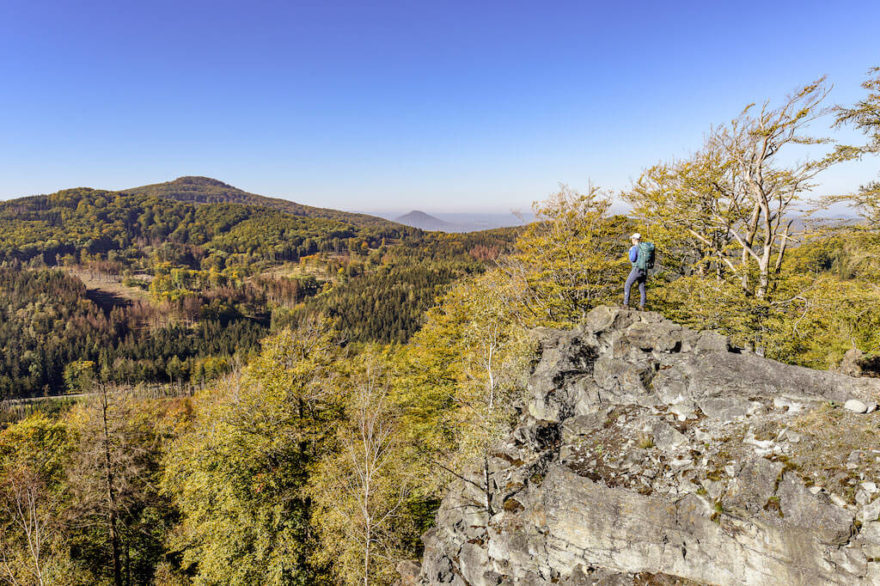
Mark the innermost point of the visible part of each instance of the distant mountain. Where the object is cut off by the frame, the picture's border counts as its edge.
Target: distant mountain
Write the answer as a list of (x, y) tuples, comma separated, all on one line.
[(460, 222), (205, 190), (425, 221)]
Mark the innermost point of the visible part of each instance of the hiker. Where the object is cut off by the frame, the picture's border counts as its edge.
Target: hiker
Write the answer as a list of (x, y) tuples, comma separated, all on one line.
[(641, 255)]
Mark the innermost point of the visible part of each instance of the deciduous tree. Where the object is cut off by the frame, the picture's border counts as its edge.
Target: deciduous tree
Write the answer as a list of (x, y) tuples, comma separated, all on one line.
[(361, 490), (571, 259), (238, 473), (470, 360), (33, 453), (864, 115), (686, 206), (734, 198)]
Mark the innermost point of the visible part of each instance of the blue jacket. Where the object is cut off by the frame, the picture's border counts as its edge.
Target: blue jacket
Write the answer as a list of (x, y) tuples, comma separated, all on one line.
[(634, 254)]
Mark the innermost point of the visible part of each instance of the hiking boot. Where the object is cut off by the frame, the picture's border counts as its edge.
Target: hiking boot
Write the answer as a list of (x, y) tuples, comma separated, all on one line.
[(641, 308)]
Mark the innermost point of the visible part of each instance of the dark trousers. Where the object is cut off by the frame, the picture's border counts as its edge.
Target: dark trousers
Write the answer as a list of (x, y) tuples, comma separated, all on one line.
[(639, 276)]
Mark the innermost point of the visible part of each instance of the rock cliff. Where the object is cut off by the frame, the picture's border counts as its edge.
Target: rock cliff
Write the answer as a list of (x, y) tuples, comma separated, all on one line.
[(654, 454)]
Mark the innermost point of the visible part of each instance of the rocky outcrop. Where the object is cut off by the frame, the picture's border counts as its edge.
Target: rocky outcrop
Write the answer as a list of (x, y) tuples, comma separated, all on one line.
[(650, 453)]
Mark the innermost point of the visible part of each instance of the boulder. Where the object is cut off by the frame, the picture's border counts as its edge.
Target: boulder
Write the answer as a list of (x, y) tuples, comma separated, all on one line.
[(855, 406)]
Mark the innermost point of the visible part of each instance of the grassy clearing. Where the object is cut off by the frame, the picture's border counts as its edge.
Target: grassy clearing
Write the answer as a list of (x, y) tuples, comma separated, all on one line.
[(110, 284)]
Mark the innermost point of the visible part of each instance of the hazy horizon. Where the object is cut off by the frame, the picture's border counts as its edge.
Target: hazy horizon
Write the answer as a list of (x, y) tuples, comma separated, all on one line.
[(493, 217)]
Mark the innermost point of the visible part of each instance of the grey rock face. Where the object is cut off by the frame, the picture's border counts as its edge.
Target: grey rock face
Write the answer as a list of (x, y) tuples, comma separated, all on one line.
[(653, 452)]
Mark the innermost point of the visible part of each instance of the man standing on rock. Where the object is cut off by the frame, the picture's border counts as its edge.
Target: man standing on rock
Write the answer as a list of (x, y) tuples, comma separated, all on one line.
[(641, 255)]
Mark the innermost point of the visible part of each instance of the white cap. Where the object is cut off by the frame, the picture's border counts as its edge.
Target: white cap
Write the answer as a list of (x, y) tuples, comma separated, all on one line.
[(636, 236)]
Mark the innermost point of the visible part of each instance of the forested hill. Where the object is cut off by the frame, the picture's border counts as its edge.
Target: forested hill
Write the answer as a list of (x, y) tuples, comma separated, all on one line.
[(207, 190), (94, 221), (172, 285)]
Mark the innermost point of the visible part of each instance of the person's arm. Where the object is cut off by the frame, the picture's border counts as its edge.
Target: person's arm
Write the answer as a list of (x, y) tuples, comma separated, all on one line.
[(634, 254)]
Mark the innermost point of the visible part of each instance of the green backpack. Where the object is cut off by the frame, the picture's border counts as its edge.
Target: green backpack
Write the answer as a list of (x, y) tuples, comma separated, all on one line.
[(645, 261)]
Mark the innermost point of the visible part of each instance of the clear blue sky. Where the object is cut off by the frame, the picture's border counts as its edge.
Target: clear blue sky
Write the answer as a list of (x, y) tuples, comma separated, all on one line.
[(444, 106)]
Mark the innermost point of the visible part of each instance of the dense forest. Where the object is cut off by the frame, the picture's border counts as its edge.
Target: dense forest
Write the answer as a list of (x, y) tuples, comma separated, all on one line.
[(134, 230), (180, 290), (355, 376), (50, 328)]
